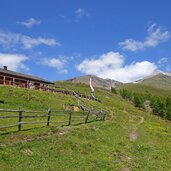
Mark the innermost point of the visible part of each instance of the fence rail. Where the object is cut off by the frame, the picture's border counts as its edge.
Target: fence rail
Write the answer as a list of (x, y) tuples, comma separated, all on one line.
[(71, 117)]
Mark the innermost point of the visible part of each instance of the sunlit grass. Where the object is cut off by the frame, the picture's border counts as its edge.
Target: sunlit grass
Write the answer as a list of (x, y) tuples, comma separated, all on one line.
[(93, 146)]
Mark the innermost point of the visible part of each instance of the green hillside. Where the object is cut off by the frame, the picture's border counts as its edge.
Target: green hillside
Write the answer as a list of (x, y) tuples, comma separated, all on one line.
[(130, 139), (160, 81), (154, 100), (15, 98), (145, 89)]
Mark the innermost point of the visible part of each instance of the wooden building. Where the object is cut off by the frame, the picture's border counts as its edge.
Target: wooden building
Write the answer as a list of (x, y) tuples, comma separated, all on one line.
[(17, 79)]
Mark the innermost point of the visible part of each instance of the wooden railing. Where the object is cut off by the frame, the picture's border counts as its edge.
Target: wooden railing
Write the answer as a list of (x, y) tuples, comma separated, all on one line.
[(71, 116)]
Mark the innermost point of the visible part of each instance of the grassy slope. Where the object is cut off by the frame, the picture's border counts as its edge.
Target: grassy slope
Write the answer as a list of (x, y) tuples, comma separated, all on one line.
[(94, 146), (31, 99), (145, 89), (159, 81)]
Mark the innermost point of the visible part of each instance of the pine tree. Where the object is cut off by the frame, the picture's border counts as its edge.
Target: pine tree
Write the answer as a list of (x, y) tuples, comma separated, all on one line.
[(138, 100), (168, 108), (113, 90), (158, 105)]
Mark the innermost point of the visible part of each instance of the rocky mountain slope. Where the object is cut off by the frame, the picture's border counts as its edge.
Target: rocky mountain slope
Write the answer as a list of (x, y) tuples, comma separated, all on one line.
[(159, 79), (97, 81)]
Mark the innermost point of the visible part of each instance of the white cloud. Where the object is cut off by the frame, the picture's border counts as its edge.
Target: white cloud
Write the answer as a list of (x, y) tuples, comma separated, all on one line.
[(163, 61), (64, 71), (13, 61), (111, 65), (8, 40), (81, 13), (100, 65), (155, 36), (56, 63), (29, 23), (53, 62), (29, 42), (164, 64)]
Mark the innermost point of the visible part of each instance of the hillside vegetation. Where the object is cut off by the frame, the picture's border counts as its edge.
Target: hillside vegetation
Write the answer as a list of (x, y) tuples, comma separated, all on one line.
[(156, 100), (145, 89), (129, 140), (18, 98), (160, 81)]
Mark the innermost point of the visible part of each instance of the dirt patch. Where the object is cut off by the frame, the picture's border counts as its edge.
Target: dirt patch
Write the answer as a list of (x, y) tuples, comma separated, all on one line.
[(27, 152), (120, 157), (133, 135)]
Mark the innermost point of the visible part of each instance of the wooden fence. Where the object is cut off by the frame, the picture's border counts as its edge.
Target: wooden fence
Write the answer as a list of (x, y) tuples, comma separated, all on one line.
[(71, 116)]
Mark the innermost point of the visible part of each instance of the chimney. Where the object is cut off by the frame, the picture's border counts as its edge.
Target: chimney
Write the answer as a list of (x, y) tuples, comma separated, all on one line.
[(5, 67)]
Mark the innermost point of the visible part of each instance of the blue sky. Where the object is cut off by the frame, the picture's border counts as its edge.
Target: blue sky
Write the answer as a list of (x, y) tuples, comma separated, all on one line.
[(60, 39)]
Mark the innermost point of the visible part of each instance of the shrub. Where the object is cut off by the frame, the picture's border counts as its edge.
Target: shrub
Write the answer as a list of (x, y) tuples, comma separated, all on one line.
[(168, 108), (113, 90), (138, 100)]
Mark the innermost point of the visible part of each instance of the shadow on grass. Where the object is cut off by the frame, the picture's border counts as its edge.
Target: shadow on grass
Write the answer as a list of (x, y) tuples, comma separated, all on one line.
[(64, 125), (23, 130)]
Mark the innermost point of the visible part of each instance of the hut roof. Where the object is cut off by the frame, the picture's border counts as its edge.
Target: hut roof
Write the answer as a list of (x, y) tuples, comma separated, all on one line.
[(23, 76)]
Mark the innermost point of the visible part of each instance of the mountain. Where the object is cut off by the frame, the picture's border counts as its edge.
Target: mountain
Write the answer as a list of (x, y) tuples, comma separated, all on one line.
[(159, 79), (97, 81)]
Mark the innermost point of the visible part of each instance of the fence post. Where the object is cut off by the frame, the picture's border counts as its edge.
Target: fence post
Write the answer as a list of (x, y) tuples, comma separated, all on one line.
[(19, 120), (70, 117), (86, 119), (48, 119)]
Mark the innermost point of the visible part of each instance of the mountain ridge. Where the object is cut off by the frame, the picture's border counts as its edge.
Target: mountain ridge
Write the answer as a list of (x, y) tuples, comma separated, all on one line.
[(159, 79), (97, 81), (157, 72)]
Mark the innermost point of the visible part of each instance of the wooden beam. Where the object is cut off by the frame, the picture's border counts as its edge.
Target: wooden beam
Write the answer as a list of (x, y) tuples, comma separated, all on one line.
[(4, 80), (13, 81)]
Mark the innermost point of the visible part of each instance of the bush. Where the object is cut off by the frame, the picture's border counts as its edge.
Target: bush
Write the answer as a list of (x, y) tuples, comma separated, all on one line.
[(138, 101), (168, 108), (113, 90), (126, 94), (160, 106)]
